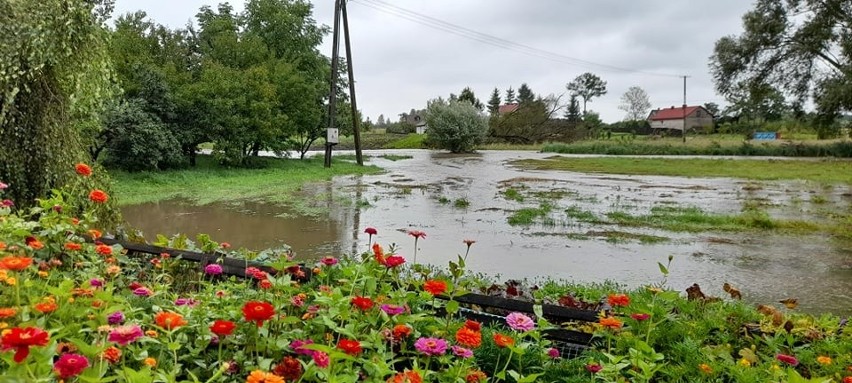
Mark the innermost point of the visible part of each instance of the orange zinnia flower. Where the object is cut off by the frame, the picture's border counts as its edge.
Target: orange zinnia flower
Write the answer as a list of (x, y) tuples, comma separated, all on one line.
[(503, 340), (98, 196), (401, 331), (468, 337), (406, 377), (103, 249), (7, 312), (15, 263), (169, 320), (610, 322), (35, 244), (258, 376), (71, 246), (112, 354), (83, 169), (95, 233), (618, 300), (46, 307)]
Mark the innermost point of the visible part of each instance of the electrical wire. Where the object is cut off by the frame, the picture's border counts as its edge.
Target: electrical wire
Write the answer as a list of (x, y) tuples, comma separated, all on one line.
[(457, 30)]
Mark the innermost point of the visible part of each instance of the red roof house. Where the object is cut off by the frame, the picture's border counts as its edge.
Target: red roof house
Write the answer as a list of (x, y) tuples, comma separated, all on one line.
[(673, 118)]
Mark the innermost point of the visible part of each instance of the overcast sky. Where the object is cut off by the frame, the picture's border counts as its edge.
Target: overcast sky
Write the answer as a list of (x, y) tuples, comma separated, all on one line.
[(400, 63)]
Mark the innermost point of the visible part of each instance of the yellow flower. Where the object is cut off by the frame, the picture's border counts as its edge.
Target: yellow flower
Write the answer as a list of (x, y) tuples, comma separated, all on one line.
[(705, 368), (654, 290), (5, 331), (43, 274), (113, 269), (745, 363), (4, 325), (150, 362), (775, 367), (151, 333), (824, 360), (104, 328), (11, 281)]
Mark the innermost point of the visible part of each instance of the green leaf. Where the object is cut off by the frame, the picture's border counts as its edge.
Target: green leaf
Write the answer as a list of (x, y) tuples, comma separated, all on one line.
[(452, 307), (663, 268)]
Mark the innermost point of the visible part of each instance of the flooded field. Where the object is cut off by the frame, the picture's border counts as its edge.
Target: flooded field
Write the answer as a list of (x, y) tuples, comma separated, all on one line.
[(563, 225)]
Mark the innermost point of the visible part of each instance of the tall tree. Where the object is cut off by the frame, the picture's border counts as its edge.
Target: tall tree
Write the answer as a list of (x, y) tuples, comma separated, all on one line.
[(572, 112), (380, 122), (525, 94), (587, 86), (494, 102), (635, 103), (713, 108), (757, 102), (800, 47), (468, 95), (510, 96)]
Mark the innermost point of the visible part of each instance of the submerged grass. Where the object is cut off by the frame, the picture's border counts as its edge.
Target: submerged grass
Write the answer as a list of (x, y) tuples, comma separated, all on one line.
[(713, 145), (275, 180), (527, 216), (824, 171)]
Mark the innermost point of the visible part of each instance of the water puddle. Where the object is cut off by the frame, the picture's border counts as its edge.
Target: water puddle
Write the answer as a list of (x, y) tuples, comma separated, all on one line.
[(457, 197)]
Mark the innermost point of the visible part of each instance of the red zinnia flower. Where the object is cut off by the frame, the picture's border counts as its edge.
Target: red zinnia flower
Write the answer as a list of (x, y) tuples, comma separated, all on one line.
[(349, 346), (70, 365), (98, 196), (594, 368), (223, 327), (20, 339), (473, 325), (83, 169), (468, 337), (393, 261), (103, 249), (789, 359), (289, 368), (371, 231), (435, 287), (618, 300), (640, 317), (417, 234), (256, 311), (363, 303)]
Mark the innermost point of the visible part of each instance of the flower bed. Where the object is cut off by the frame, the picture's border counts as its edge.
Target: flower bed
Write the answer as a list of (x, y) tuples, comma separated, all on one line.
[(77, 310)]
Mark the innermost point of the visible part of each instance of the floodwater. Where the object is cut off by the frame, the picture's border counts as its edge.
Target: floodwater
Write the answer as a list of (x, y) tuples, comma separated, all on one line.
[(428, 192)]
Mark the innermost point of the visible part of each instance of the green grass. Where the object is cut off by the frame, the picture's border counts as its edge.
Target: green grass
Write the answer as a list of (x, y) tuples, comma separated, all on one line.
[(411, 141), (276, 181), (513, 194), (727, 145), (461, 203), (580, 215), (395, 157), (693, 219), (824, 171), (527, 216)]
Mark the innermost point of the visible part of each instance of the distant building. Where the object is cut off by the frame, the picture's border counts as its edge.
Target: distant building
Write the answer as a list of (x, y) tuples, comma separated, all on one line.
[(507, 108), (697, 118), (415, 118)]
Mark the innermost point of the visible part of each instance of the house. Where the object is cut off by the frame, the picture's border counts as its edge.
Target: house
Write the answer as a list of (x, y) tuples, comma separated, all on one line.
[(415, 119), (697, 119), (507, 108)]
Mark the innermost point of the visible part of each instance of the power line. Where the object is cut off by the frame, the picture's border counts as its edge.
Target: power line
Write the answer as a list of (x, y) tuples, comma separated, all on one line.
[(444, 26)]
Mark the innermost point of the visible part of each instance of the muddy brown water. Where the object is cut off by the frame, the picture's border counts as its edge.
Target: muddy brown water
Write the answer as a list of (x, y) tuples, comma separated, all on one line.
[(421, 193)]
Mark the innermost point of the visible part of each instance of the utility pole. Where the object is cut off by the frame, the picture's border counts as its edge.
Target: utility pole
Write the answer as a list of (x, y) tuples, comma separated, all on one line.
[(331, 132), (355, 118), (684, 109)]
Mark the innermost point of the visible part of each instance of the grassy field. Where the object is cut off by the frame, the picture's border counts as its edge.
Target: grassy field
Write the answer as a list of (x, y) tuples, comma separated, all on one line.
[(274, 182), (823, 171)]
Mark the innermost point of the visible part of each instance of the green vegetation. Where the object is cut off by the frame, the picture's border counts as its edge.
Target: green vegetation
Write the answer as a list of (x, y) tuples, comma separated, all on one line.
[(825, 171), (513, 194), (616, 236), (395, 157), (461, 203), (275, 181), (527, 216), (411, 141), (580, 215), (455, 125), (715, 145)]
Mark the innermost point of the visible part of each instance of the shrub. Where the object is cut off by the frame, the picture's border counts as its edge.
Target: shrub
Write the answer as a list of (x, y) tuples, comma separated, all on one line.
[(456, 126), (137, 141)]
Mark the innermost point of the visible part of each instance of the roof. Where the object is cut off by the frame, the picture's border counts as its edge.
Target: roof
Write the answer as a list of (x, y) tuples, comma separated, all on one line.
[(673, 113), (508, 108)]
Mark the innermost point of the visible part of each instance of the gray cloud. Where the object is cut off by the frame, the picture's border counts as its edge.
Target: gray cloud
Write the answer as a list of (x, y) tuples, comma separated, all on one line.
[(400, 64)]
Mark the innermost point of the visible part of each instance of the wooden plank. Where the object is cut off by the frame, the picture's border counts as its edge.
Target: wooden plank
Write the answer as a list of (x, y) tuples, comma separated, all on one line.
[(551, 312)]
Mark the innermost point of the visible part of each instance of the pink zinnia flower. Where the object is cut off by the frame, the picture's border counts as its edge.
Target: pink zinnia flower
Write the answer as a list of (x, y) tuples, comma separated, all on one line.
[(297, 344), (553, 353), (462, 352), (186, 302), (70, 365), (115, 318), (417, 234), (789, 359), (3, 186), (320, 359), (297, 301), (329, 261), (393, 261), (640, 317), (213, 269), (143, 292), (594, 368), (393, 309), (520, 322), (124, 335), (94, 282), (431, 346)]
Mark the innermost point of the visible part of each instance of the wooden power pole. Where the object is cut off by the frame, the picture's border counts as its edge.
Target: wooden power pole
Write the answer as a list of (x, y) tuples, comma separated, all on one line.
[(332, 132), (684, 109)]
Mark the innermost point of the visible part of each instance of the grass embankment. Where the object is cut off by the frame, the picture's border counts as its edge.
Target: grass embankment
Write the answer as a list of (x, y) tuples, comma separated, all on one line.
[(824, 171), (275, 181), (711, 145)]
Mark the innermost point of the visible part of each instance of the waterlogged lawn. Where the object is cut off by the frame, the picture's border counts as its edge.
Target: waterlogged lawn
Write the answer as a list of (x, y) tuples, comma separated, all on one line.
[(275, 181), (823, 171), (78, 311)]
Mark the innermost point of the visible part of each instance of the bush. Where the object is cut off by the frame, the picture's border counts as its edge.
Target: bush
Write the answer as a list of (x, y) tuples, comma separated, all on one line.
[(137, 141), (400, 128), (456, 126)]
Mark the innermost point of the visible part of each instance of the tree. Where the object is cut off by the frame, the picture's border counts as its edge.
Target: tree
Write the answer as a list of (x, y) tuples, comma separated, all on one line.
[(757, 102), (455, 125), (799, 47), (525, 94), (55, 78), (587, 86), (530, 122), (636, 103), (467, 95), (380, 122), (494, 102), (138, 140), (510, 96), (713, 108), (572, 112)]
